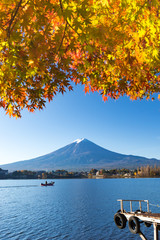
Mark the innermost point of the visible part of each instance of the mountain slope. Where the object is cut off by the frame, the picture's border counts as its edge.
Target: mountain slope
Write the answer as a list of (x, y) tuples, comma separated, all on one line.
[(82, 154)]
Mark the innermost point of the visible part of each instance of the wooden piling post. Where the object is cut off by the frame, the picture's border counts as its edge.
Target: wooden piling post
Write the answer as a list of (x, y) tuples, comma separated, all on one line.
[(142, 236), (140, 206), (155, 231), (130, 206), (147, 205), (121, 205)]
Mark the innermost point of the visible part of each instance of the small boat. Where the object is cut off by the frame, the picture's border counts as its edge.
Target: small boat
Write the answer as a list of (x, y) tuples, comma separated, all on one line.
[(47, 184)]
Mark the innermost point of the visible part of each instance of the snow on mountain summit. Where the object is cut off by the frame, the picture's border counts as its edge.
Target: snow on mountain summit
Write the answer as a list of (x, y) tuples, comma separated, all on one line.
[(79, 140)]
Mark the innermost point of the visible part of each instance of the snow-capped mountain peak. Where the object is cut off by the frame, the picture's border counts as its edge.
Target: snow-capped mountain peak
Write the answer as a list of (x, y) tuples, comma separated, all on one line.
[(82, 155), (79, 140)]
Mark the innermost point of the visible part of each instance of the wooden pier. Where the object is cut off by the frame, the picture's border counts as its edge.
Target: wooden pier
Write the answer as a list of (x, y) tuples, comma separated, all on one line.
[(135, 218)]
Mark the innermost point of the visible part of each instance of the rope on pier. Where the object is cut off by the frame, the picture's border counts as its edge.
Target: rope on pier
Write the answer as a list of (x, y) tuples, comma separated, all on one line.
[(155, 205)]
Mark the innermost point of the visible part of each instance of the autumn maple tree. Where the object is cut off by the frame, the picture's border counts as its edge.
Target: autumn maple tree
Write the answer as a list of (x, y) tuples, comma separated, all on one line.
[(110, 46)]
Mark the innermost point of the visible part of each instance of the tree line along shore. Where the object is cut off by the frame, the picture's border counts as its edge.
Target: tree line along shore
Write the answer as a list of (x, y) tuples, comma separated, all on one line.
[(141, 172)]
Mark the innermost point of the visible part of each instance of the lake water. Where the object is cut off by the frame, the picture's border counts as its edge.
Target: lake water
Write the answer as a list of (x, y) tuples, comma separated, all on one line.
[(78, 209)]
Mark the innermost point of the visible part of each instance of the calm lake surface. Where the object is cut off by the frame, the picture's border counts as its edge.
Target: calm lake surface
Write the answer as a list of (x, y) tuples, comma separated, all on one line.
[(78, 209)]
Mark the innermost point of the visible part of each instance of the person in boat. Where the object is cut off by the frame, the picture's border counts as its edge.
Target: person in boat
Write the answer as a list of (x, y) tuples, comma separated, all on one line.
[(46, 182)]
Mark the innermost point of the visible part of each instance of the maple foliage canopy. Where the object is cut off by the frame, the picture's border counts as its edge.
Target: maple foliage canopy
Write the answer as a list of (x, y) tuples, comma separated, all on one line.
[(110, 46)]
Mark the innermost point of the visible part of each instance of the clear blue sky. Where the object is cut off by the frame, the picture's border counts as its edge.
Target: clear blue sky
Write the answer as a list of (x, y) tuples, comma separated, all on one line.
[(124, 126)]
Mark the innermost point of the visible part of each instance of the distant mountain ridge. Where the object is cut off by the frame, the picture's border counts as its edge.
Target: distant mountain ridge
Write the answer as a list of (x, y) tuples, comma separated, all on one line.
[(82, 154)]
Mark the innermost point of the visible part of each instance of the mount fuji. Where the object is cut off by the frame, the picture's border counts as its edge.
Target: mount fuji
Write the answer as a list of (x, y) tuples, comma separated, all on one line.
[(81, 154)]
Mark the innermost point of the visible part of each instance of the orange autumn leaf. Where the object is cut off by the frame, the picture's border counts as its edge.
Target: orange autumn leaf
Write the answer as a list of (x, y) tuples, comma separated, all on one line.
[(111, 47), (86, 89)]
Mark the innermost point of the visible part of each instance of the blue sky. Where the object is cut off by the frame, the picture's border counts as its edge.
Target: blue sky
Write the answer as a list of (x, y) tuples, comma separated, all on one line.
[(124, 126)]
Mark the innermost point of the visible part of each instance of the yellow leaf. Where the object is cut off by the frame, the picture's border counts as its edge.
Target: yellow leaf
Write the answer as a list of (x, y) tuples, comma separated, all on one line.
[(31, 62)]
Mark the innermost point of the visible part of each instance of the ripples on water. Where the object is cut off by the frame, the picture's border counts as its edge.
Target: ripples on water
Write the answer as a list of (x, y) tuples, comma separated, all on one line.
[(72, 209)]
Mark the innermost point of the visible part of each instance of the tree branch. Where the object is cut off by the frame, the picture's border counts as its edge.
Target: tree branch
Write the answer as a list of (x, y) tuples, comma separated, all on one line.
[(13, 17), (61, 6), (63, 36)]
